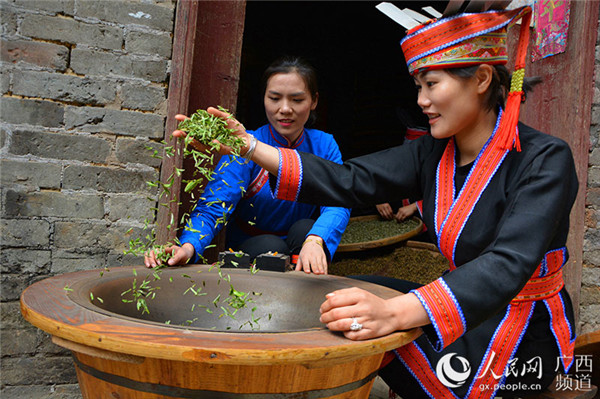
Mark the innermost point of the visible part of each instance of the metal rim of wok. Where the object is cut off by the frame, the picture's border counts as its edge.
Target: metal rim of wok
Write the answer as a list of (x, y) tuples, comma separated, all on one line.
[(359, 246), (47, 305)]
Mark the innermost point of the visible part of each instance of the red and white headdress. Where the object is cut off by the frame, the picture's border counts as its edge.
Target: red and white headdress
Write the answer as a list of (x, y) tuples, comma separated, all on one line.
[(471, 39)]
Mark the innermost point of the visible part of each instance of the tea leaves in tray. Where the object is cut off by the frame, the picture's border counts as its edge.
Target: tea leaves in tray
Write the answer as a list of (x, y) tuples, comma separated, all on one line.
[(372, 230)]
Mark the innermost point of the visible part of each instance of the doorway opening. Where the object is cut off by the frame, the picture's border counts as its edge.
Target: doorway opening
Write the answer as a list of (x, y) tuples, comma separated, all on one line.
[(364, 84)]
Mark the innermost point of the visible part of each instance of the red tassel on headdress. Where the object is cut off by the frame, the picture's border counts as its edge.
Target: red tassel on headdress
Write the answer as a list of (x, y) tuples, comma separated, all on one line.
[(508, 137)]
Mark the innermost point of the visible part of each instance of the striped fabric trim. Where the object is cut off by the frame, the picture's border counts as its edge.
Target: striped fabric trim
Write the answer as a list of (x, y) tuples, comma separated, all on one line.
[(489, 48), (289, 178), (500, 351), (451, 214), (551, 267), (444, 312), (561, 330), (505, 340), (257, 184), (417, 363), (428, 39)]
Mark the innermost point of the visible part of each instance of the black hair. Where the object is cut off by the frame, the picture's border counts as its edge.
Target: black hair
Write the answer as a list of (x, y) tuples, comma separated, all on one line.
[(500, 85), (289, 64)]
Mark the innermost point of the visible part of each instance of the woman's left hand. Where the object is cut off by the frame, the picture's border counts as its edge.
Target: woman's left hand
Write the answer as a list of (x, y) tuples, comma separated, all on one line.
[(312, 256)]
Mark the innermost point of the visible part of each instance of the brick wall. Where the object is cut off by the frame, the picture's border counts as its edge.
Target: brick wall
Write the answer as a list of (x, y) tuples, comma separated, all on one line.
[(590, 285), (84, 87)]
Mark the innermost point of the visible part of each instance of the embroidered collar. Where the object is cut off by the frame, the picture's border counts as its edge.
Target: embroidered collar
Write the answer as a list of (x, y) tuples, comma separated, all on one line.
[(283, 141)]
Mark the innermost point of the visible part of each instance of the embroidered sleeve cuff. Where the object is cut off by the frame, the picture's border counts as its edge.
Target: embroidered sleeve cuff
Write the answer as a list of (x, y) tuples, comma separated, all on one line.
[(444, 312), (289, 178)]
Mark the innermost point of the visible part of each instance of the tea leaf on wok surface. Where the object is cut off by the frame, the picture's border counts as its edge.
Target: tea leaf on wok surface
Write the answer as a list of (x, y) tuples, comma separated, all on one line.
[(211, 132)]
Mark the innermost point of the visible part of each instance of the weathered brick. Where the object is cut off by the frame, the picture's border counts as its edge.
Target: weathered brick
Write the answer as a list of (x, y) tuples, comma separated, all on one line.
[(98, 63), (594, 159), (41, 369), (42, 54), (53, 6), (25, 260), (145, 98), (591, 240), (88, 235), (590, 316), (10, 316), (54, 391), (128, 207), (62, 87), (68, 30), (139, 151), (128, 123), (591, 257), (47, 347), (109, 180), (3, 135), (54, 204), (154, 16), (29, 173), (64, 261), (116, 259), (590, 276), (594, 176), (19, 342), (4, 81), (149, 43), (12, 286), (60, 146), (24, 233), (32, 112), (8, 22), (589, 295)]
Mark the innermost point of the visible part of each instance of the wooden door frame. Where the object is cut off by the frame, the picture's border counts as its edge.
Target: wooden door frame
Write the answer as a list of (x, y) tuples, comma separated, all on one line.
[(205, 69), (561, 106)]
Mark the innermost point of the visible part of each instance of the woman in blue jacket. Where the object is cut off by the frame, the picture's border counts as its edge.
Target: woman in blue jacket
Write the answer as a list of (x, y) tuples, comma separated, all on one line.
[(257, 222)]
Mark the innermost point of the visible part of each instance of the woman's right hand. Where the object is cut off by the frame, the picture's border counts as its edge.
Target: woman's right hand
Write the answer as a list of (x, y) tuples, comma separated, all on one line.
[(264, 155), (405, 212), (385, 210), (180, 255), (232, 123)]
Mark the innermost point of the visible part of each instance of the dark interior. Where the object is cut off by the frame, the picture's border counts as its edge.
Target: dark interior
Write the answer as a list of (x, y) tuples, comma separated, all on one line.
[(364, 84)]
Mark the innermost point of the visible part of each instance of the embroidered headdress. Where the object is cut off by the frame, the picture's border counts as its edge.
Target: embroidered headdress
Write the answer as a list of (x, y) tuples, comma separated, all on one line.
[(471, 39)]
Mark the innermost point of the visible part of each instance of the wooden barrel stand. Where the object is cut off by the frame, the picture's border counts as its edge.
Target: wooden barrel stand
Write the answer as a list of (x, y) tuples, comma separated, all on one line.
[(121, 357), (158, 378)]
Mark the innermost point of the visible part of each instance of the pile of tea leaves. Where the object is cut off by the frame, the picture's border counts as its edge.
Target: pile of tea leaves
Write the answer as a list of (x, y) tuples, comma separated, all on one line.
[(376, 229), (400, 261)]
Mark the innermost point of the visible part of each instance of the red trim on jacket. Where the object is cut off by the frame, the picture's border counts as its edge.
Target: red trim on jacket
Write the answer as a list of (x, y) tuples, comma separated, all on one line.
[(288, 180)]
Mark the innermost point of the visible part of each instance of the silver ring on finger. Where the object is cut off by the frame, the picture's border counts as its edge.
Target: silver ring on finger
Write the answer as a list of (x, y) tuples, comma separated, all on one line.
[(355, 326)]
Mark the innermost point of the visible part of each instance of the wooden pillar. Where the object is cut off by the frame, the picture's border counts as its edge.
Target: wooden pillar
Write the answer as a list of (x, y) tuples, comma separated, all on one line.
[(207, 47)]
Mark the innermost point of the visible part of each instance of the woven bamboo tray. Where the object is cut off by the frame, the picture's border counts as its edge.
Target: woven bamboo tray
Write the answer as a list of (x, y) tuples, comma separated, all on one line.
[(359, 246)]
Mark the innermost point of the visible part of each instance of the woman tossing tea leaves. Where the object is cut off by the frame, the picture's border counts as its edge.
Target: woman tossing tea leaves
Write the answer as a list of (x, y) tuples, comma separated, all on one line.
[(238, 192)]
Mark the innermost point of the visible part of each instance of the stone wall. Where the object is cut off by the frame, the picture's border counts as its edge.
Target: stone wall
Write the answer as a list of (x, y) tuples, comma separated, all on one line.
[(590, 285), (84, 86)]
